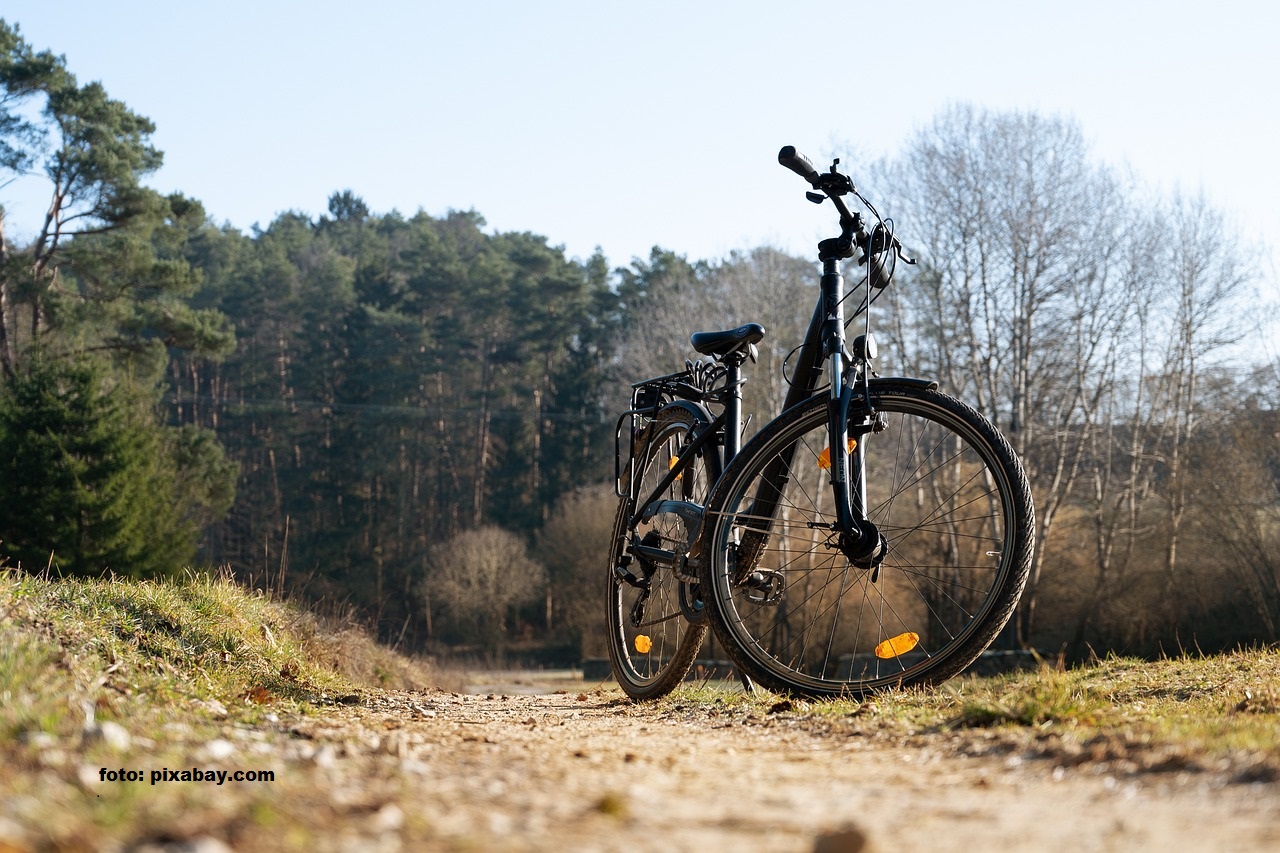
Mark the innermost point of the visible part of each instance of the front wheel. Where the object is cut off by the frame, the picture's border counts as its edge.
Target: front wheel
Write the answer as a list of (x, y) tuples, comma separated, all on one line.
[(950, 498), (656, 623)]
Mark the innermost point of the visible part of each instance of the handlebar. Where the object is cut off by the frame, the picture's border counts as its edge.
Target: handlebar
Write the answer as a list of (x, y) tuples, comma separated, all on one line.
[(798, 163), (833, 185)]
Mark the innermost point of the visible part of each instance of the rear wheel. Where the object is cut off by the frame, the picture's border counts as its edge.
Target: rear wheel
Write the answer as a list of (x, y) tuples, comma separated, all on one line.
[(657, 621), (949, 496)]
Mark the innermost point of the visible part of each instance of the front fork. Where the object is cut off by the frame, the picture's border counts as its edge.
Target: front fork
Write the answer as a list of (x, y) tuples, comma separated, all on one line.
[(858, 538)]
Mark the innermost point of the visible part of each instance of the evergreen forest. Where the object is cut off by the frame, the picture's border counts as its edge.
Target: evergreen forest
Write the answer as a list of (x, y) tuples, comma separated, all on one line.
[(411, 417)]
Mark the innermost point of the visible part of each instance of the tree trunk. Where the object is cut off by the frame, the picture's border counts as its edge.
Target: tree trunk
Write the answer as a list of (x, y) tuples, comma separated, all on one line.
[(6, 346), (482, 440)]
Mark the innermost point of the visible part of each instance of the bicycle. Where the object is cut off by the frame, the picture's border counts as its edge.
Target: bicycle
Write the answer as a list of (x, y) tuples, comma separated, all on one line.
[(877, 533)]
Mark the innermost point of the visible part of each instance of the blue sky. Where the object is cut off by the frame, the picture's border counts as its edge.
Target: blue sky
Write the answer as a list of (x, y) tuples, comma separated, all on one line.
[(631, 125)]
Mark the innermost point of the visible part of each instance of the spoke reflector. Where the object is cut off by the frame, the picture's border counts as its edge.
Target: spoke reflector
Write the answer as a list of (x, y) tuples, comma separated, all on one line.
[(824, 458), (898, 645), (643, 644), (674, 461)]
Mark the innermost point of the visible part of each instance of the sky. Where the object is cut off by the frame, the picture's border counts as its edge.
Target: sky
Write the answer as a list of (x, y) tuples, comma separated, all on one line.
[(624, 126)]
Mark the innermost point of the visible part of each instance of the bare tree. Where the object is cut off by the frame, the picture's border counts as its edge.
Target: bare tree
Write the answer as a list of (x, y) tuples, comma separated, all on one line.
[(474, 580), (1239, 509), (1019, 299), (574, 546), (1205, 272), (1107, 419)]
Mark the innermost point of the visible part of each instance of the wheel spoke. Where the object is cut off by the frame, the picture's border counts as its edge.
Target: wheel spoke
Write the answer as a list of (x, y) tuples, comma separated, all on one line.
[(950, 498)]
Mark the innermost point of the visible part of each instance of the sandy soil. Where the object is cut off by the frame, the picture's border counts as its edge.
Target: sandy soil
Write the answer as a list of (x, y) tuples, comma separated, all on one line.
[(587, 770)]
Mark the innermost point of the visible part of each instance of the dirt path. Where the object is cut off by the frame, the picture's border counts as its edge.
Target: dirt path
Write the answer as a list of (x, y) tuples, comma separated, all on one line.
[(589, 771)]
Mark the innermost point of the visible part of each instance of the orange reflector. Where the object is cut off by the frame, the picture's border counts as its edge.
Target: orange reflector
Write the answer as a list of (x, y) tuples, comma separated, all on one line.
[(674, 461), (824, 458), (898, 645), (643, 644)]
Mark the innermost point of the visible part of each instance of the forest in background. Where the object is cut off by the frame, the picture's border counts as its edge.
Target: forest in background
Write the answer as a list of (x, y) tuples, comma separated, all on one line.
[(412, 417)]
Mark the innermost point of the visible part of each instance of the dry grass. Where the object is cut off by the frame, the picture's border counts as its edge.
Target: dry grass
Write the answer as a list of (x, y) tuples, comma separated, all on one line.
[(127, 647), (1218, 713), (98, 674)]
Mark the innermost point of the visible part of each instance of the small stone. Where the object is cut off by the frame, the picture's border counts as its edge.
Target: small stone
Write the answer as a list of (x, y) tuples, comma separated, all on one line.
[(39, 740), (219, 749), (326, 756), (114, 735), (388, 818), (415, 766), (396, 743), (52, 758), (847, 840)]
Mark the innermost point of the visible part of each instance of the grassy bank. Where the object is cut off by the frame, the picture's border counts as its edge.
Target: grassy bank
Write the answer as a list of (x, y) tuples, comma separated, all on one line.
[(1217, 714), (100, 675), (78, 652)]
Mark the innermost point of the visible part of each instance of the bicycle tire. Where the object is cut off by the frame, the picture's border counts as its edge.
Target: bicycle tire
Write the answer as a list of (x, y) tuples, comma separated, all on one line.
[(950, 497), (650, 659)]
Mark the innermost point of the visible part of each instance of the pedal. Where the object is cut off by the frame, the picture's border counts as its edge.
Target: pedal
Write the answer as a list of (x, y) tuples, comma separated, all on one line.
[(658, 556), (623, 574), (765, 587)]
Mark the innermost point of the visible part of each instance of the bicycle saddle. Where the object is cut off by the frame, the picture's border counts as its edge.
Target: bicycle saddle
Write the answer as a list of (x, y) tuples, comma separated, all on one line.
[(721, 344)]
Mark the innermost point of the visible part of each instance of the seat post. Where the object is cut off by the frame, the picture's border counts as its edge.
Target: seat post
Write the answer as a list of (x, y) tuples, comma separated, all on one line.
[(733, 404), (731, 348)]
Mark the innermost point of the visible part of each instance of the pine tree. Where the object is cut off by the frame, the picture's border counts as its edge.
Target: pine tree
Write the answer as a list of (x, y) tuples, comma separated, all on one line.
[(88, 484)]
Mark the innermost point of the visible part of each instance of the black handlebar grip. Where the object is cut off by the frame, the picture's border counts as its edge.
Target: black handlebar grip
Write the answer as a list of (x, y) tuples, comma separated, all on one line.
[(798, 163)]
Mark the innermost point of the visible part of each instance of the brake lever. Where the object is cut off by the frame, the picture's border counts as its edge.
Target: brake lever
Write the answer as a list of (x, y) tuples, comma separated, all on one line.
[(834, 183), (880, 236)]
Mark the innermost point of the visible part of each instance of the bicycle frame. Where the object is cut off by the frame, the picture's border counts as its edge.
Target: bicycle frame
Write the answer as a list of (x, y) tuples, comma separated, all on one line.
[(824, 344)]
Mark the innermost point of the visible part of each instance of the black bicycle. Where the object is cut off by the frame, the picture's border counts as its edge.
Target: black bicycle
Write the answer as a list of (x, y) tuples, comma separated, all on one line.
[(877, 533)]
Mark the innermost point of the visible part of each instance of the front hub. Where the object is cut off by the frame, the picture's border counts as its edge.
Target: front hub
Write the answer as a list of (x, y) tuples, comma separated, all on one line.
[(866, 550)]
